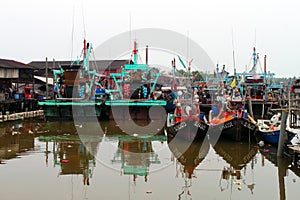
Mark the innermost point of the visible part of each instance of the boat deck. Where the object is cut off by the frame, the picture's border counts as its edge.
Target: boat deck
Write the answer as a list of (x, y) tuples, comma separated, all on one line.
[(69, 103), (294, 151), (136, 102)]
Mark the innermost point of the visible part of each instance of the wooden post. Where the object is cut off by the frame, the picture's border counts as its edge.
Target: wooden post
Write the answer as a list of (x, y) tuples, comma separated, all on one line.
[(282, 136), (281, 174), (53, 67), (263, 109), (47, 91), (250, 106), (249, 101), (33, 83)]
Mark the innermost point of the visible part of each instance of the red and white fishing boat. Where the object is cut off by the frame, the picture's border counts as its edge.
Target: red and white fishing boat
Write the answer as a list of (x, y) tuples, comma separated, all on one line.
[(234, 122), (187, 122)]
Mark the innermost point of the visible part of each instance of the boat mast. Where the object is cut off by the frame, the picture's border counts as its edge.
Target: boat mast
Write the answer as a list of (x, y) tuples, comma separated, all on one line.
[(233, 57), (174, 75), (254, 60), (135, 51)]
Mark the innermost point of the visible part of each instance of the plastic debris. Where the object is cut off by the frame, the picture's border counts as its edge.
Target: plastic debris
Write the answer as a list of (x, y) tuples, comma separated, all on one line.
[(261, 143), (237, 183)]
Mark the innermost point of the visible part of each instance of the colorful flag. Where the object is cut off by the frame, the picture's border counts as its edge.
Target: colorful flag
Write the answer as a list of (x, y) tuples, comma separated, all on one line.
[(181, 61), (190, 62), (233, 83)]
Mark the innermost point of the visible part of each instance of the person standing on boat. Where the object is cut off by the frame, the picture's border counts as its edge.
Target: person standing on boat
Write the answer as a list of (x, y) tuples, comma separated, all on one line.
[(236, 94), (170, 98), (55, 91), (62, 91)]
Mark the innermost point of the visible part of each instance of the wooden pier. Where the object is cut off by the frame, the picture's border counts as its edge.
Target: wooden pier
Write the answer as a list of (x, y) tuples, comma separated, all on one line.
[(11, 109), (21, 115), (293, 152)]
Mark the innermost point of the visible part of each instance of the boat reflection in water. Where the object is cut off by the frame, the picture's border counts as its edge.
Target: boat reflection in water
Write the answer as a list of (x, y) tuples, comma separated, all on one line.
[(189, 155), (132, 127), (15, 138), (136, 154), (73, 151), (237, 155), (283, 167), (71, 155)]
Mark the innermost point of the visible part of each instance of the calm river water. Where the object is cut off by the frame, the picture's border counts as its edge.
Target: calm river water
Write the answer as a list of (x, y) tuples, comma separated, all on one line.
[(63, 160)]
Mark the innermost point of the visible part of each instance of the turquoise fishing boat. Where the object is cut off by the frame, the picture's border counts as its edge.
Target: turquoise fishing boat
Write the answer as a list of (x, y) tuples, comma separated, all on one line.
[(259, 87), (134, 91), (74, 87)]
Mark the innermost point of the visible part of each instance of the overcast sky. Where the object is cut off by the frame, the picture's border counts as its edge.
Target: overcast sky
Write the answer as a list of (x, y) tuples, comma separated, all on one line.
[(35, 29)]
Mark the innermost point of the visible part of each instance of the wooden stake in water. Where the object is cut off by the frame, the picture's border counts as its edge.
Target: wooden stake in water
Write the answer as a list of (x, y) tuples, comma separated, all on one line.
[(282, 136)]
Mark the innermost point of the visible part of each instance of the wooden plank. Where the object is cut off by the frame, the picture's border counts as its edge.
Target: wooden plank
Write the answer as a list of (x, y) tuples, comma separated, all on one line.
[(295, 148), (281, 109)]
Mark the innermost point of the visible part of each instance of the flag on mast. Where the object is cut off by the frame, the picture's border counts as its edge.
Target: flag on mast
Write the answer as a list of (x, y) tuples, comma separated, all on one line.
[(181, 61), (190, 62), (233, 83)]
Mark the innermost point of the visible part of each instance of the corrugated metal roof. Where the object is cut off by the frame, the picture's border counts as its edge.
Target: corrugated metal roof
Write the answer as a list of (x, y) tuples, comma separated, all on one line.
[(11, 64), (94, 64), (42, 64), (43, 79)]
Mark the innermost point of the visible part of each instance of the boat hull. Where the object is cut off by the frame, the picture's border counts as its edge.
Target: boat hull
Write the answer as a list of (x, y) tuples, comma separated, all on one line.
[(188, 130), (237, 129), (135, 110), (68, 110), (271, 137), (205, 108)]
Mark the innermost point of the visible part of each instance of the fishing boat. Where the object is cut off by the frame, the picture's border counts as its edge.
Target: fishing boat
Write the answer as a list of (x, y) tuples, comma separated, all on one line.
[(213, 89), (74, 87), (258, 88), (187, 122), (232, 121), (270, 129), (134, 92)]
